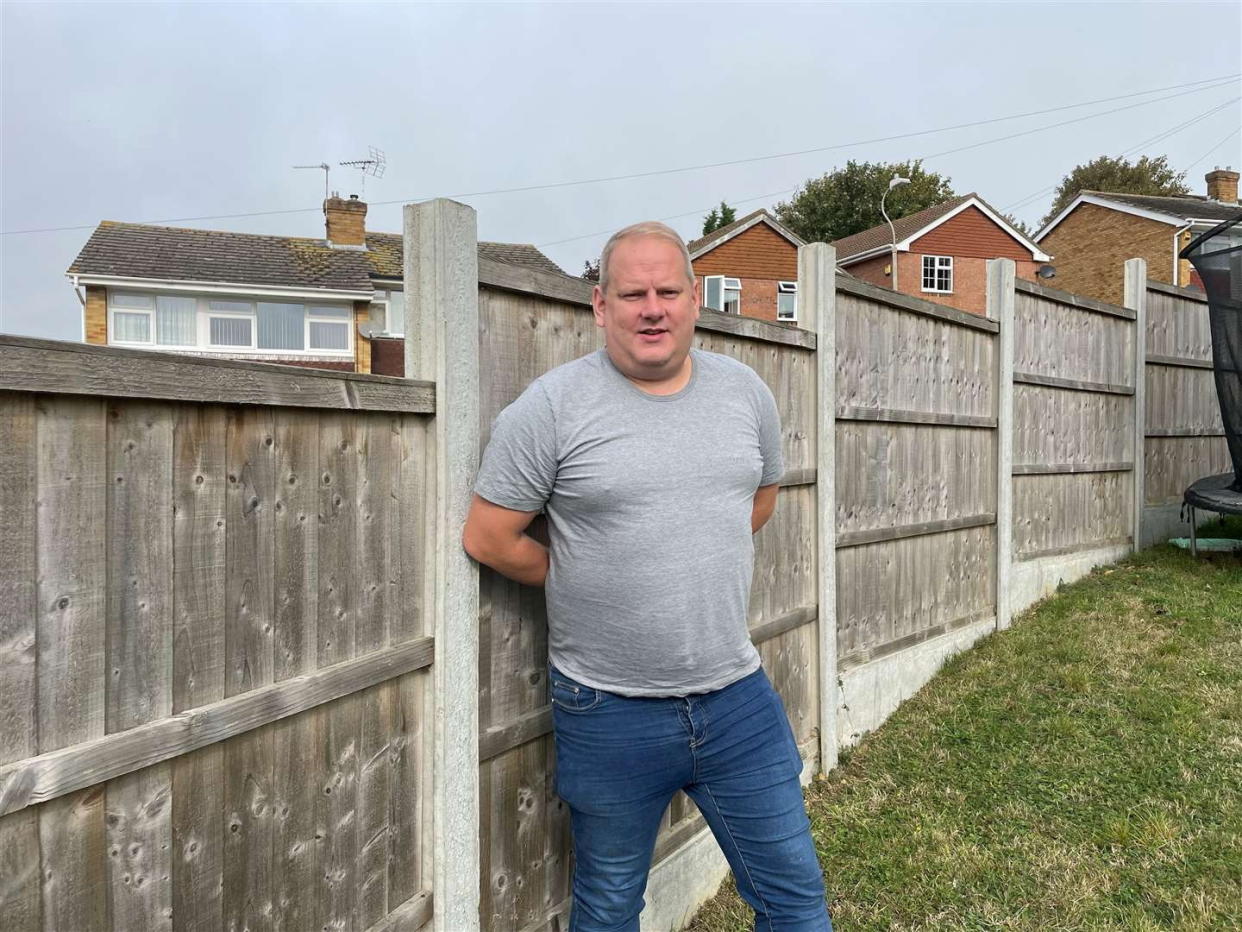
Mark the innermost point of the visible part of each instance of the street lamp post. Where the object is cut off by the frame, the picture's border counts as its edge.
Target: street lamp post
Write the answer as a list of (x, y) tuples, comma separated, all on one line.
[(891, 230)]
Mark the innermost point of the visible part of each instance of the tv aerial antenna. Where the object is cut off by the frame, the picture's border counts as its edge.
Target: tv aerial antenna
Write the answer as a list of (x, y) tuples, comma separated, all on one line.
[(373, 165), (326, 168)]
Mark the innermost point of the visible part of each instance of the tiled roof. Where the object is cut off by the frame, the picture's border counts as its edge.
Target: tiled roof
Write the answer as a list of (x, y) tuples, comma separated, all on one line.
[(1184, 207), (133, 250), (903, 227), (385, 255), (724, 231)]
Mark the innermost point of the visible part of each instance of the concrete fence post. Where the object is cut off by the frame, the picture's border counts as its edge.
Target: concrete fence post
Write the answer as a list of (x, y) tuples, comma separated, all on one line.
[(442, 344), (1136, 300), (1001, 300), (817, 312)]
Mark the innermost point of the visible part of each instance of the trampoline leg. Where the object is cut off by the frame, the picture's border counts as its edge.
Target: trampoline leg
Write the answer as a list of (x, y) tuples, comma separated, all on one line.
[(1194, 542)]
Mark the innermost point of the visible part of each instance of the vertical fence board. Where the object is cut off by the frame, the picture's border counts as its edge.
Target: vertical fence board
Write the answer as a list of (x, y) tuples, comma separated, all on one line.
[(379, 708), (199, 482), (295, 521), (140, 664), (251, 500), (19, 735), (70, 592), (338, 563), (294, 741), (337, 905)]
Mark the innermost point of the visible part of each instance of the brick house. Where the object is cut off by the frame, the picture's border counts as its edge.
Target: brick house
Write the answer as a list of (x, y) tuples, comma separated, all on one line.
[(332, 303), (941, 253), (749, 267), (1093, 236)]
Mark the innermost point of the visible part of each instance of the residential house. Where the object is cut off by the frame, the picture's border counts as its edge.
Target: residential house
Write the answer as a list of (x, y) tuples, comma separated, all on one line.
[(941, 253), (332, 303), (1093, 237), (749, 267)]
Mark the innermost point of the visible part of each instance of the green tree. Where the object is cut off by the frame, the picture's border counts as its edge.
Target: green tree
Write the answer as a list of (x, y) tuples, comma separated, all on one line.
[(1118, 176), (847, 200), (591, 272), (1019, 225), (719, 217)]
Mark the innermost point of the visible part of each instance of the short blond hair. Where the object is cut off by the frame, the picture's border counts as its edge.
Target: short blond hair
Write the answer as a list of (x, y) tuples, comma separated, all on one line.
[(646, 228)]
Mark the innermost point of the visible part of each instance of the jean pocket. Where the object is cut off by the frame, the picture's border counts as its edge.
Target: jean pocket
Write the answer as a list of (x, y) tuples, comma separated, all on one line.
[(571, 695)]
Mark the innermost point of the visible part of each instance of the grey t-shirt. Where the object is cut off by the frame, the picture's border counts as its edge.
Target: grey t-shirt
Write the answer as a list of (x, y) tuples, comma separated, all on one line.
[(648, 499)]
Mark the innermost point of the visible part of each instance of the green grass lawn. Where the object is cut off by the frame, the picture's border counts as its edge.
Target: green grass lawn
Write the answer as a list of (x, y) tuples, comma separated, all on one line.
[(1082, 770)]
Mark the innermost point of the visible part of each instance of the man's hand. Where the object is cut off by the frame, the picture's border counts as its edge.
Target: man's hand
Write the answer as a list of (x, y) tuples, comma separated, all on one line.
[(497, 536), (764, 505)]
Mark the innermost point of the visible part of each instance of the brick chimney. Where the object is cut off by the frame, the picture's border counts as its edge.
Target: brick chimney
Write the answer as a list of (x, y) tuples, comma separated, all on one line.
[(347, 220), (1223, 185)]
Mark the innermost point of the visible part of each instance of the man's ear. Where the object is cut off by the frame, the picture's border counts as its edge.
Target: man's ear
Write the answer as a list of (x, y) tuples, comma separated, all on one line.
[(597, 302), (698, 297)]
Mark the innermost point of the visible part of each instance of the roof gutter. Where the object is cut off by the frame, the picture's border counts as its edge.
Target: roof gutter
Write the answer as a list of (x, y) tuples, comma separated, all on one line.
[(275, 291)]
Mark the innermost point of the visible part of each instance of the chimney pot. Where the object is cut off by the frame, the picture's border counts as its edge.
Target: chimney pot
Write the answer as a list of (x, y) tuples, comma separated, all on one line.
[(1222, 186)]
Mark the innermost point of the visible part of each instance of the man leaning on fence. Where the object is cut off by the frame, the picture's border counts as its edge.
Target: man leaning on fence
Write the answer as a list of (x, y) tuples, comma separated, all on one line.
[(654, 463)]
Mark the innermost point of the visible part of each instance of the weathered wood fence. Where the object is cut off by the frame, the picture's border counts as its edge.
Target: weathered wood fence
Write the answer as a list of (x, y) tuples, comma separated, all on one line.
[(1185, 439), (249, 679), (214, 647)]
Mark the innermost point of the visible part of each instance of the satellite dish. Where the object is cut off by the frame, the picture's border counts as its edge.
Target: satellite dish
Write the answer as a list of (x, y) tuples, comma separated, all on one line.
[(367, 329), (1046, 271)]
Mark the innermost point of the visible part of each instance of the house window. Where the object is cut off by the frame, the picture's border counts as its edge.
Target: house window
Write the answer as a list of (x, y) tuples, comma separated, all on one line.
[(787, 301), (199, 322), (167, 320), (938, 274), (722, 293), (388, 313)]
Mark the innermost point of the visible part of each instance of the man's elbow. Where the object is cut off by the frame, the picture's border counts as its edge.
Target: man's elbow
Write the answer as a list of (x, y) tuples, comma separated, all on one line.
[(474, 543)]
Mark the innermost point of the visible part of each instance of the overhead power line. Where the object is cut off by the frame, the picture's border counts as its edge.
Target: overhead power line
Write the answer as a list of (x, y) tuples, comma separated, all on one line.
[(1194, 88), (1233, 132), (1159, 137), (1214, 109)]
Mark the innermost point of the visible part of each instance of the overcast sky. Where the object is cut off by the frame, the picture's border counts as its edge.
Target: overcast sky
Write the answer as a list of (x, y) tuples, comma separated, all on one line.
[(150, 112)]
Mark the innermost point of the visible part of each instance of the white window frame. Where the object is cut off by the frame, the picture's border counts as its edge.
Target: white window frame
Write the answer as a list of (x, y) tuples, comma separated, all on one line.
[(384, 297), (787, 288), (204, 313), (727, 284), (938, 264)]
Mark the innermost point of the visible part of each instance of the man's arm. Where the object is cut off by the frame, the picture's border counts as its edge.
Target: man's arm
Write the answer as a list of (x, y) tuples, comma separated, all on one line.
[(497, 536), (764, 505)]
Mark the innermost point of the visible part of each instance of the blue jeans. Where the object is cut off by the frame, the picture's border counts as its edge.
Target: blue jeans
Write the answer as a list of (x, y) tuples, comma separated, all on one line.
[(619, 760)]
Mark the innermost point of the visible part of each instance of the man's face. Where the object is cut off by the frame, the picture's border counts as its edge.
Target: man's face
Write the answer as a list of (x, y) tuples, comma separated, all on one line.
[(649, 309)]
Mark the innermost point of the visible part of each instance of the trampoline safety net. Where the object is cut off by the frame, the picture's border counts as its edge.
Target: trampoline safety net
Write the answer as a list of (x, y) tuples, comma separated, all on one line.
[(1217, 257)]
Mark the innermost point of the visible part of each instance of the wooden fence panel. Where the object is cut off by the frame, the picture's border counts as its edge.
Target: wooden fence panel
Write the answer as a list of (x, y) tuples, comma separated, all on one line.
[(1066, 339), (899, 361), (171, 566), (894, 594), (894, 475), (1177, 323), (1185, 436), (915, 474), (1055, 427), (1055, 514), (1184, 400), (1173, 463)]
